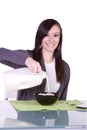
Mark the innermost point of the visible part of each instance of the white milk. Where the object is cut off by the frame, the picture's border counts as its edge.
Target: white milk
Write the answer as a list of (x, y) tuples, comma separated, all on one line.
[(22, 78), (48, 89)]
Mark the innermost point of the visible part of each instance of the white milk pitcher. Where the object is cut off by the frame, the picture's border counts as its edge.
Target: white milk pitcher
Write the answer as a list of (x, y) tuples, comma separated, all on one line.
[(22, 78)]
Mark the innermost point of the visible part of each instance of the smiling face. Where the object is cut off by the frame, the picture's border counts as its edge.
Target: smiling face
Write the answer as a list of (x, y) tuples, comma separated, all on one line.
[(51, 41)]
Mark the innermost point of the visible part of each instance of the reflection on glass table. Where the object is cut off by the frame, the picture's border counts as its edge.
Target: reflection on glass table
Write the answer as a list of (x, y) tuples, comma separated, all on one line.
[(70, 120), (45, 118)]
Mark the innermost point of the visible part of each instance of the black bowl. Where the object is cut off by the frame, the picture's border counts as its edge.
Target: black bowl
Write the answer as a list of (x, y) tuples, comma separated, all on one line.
[(46, 98)]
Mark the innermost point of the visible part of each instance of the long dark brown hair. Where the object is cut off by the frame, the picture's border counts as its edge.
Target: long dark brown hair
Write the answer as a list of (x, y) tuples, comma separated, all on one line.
[(42, 31)]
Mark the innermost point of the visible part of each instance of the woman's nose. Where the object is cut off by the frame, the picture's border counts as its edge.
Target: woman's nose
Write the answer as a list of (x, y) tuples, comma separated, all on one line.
[(51, 39)]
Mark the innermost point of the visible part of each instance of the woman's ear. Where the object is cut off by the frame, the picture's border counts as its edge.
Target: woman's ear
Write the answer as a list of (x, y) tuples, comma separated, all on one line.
[(40, 46)]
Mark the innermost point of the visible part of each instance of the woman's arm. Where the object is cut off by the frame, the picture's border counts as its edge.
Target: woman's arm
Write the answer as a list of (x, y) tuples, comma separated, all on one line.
[(15, 57), (64, 87)]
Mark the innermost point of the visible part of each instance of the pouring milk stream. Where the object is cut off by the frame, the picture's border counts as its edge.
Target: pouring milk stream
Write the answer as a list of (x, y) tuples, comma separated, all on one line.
[(22, 78)]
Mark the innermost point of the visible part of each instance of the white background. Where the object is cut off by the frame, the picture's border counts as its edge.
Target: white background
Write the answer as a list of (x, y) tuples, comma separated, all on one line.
[(19, 20)]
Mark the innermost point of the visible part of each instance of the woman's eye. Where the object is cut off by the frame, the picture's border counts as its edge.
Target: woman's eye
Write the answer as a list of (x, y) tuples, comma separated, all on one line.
[(56, 35)]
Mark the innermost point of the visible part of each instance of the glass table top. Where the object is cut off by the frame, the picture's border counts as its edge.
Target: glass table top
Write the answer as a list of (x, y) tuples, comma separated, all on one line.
[(12, 119)]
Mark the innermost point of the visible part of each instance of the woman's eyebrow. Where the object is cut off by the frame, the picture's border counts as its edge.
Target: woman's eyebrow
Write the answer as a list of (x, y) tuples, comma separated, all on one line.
[(54, 33)]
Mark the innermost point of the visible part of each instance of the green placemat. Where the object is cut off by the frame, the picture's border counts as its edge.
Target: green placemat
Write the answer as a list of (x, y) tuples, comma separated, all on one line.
[(33, 105)]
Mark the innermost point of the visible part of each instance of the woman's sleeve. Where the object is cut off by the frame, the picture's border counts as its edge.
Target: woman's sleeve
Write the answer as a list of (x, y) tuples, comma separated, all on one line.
[(64, 87), (17, 57)]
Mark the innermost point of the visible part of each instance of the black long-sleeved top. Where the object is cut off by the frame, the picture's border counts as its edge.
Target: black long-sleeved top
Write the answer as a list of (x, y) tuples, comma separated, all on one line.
[(16, 59)]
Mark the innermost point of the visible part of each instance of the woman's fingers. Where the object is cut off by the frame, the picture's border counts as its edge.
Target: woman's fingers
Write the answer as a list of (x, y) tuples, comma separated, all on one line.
[(33, 65)]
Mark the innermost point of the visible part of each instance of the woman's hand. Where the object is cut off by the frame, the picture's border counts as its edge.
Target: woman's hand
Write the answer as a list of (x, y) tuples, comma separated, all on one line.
[(33, 65)]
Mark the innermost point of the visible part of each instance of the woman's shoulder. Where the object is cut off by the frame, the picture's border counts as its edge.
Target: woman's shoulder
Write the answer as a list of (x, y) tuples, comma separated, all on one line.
[(66, 66)]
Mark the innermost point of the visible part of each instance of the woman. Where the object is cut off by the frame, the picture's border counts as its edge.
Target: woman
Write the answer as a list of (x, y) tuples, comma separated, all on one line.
[(46, 56)]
